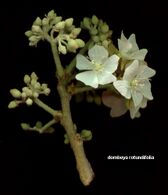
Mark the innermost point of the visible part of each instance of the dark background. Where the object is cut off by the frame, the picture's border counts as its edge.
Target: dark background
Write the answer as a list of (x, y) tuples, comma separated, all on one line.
[(35, 164)]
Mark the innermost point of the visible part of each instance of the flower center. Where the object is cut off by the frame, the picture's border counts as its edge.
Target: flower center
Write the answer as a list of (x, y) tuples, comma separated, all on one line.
[(97, 67), (137, 83)]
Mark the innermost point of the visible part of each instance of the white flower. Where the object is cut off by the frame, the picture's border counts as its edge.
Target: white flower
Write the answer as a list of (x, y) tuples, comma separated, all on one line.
[(99, 67), (129, 49), (135, 83)]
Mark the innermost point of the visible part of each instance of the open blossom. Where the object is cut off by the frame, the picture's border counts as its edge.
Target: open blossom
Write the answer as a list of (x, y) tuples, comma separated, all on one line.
[(135, 82), (98, 68), (129, 49)]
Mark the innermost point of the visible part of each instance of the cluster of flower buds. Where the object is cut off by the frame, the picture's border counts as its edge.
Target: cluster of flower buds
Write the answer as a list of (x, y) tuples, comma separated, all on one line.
[(67, 36), (37, 127), (41, 27), (29, 92), (98, 30)]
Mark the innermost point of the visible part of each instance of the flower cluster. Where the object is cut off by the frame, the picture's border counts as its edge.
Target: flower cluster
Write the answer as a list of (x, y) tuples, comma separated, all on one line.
[(130, 79), (62, 31), (29, 92), (98, 30)]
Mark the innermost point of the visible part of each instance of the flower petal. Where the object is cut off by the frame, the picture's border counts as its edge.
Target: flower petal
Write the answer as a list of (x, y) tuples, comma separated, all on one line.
[(131, 71), (105, 78), (132, 40), (123, 87), (138, 55), (137, 97), (111, 64), (145, 72), (146, 90), (98, 54), (89, 78), (82, 63)]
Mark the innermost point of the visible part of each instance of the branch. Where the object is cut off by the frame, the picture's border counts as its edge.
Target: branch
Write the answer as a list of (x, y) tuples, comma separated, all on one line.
[(54, 113), (57, 61)]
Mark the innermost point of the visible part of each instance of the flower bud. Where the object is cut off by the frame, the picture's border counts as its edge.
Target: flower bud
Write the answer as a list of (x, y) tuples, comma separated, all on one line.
[(93, 31), (95, 20), (72, 45), (12, 104), (35, 94), (45, 21), (86, 22), (95, 39), (86, 135), (25, 126), (51, 14), (39, 124), (24, 95), (80, 43), (75, 32), (28, 33), (36, 29), (47, 91), (29, 102), (104, 28), (37, 22), (34, 76), (69, 22), (33, 38), (62, 49), (15, 93), (60, 25), (26, 79)]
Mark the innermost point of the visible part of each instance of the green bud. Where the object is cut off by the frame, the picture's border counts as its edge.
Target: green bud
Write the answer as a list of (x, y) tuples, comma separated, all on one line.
[(105, 43), (37, 85), (26, 79), (36, 29), (62, 49), (35, 95), (75, 32), (25, 126), (33, 38), (69, 22), (28, 33), (93, 31), (86, 22), (34, 76), (29, 101), (12, 104), (39, 124), (95, 39), (45, 21), (57, 19), (24, 95), (86, 135), (37, 22), (47, 91), (15, 93), (60, 25), (51, 14), (49, 130), (72, 44), (95, 20), (27, 91), (44, 86), (104, 28), (103, 37), (80, 43)]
